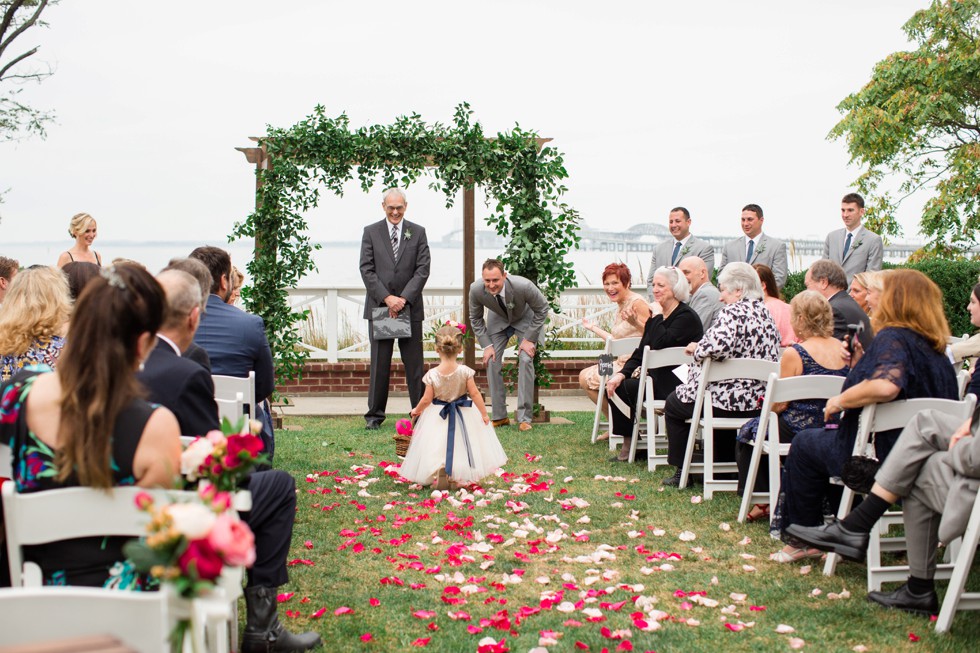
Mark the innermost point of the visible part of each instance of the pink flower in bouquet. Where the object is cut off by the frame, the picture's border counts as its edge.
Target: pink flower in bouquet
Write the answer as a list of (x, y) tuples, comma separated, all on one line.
[(202, 558), (144, 500), (233, 539), (195, 455), (215, 437), (248, 443), (403, 427)]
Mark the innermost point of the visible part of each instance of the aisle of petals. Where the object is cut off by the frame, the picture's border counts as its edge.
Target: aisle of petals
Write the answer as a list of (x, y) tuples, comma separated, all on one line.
[(484, 540)]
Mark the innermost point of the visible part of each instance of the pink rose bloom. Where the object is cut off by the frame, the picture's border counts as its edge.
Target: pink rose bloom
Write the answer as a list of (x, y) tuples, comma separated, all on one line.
[(215, 436), (247, 442), (403, 427), (201, 559), (233, 539), (230, 462), (143, 500)]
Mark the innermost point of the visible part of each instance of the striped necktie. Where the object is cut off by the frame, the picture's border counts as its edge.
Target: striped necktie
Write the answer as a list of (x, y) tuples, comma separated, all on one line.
[(394, 241)]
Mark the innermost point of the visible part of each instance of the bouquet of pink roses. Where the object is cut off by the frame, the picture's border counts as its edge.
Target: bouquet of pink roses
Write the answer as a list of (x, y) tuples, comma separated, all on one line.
[(223, 457), (189, 544)]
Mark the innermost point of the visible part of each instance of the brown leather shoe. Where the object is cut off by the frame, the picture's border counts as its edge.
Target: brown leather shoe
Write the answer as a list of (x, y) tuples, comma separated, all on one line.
[(501, 422), (525, 426)]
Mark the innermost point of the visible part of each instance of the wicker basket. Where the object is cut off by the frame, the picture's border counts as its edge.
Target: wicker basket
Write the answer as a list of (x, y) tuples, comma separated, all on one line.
[(401, 444)]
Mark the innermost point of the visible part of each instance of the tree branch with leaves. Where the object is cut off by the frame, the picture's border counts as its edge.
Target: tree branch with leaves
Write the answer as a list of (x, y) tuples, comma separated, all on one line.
[(17, 118)]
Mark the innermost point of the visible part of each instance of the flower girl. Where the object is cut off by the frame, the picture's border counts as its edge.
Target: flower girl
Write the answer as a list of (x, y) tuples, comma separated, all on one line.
[(453, 437)]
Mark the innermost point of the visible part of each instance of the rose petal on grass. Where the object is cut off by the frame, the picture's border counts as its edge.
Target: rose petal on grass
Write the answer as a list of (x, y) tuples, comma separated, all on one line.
[(805, 569), (282, 598), (696, 499), (342, 610), (367, 637), (913, 637), (687, 536), (423, 614), (783, 629), (725, 526), (319, 613), (796, 643), (422, 641), (374, 602)]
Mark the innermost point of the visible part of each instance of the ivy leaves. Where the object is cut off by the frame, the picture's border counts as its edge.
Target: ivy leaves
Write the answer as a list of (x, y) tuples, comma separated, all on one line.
[(521, 179)]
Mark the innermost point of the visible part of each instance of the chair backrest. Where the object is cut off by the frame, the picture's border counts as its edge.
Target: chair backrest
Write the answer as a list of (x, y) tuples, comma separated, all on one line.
[(233, 409), (6, 462), (667, 357), (896, 414), (621, 346), (963, 381), (138, 619), (756, 369), (228, 387), (797, 388)]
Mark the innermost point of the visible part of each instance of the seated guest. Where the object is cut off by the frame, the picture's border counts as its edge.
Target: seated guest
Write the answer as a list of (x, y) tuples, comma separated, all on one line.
[(817, 353), (175, 382), (859, 289), (970, 348), (79, 273), (743, 329), (876, 283), (906, 360), (631, 316), (674, 325), (704, 297), (8, 269), (235, 340), (237, 280), (200, 272), (828, 279), (777, 307), (34, 320)]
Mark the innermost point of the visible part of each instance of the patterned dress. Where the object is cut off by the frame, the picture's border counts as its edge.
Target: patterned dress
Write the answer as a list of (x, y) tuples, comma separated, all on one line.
[(41, 352), (90, 561), (476, 450)]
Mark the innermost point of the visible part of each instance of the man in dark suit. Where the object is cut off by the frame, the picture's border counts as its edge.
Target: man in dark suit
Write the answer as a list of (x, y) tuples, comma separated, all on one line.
[(394, 267), (186, 389), (200, 272), (235, 340), (829, 279), (180, 384), (514, 307)]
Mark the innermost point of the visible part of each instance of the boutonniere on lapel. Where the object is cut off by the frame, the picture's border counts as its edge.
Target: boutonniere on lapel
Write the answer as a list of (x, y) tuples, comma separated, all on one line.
[(761, 248), (856, 245), (510, 306), (408, 234), (685, 250)]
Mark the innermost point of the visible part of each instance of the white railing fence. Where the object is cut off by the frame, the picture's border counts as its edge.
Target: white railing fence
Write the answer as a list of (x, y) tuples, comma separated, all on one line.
[(335, 329)]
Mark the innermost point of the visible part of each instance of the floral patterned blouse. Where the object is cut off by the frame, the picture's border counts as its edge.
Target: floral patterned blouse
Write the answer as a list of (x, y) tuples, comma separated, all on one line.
[(40, 353), (89, 561), (741, 330)]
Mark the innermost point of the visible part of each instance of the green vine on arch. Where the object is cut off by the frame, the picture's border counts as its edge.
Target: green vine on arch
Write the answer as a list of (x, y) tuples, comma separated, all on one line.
[(523, 186)]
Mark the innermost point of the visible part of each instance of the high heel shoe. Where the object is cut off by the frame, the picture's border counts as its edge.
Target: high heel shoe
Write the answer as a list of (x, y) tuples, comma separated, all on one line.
[(759, 512)]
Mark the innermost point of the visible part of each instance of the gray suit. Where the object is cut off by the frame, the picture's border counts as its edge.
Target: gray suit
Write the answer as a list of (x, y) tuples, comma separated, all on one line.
[(693, 247), (706, 302), (865, 252), (527, 310), (768, 251), (939, 486), (382, 276)]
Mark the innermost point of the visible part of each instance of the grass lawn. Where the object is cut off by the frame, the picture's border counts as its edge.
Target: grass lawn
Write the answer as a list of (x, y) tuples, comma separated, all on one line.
[(595, 552)]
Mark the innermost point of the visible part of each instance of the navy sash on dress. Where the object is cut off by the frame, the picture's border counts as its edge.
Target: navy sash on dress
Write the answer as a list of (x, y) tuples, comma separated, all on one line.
[(450, 409)]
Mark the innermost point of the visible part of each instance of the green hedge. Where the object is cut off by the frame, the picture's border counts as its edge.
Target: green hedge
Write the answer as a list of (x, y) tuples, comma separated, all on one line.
[(955, 278)]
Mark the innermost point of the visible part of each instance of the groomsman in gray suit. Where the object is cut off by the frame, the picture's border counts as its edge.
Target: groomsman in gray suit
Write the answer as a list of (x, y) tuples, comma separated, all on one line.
[(854, 248), (394, 268), (513, 306), (756, 247), (670, 252)]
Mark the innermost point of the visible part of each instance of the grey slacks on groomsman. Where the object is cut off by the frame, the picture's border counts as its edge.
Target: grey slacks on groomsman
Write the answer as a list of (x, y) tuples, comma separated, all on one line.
[(525, 377), (938, 493)]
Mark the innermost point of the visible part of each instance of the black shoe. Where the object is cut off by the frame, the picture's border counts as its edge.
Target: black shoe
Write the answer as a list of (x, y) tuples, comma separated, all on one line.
[(263, 631), (902, 599), (372, 426), (833, 537), (672, 481)]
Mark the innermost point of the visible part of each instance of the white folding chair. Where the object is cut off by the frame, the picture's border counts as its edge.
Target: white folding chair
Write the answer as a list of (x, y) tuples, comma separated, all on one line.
[(232, 409), (795, 388), (228, 387), (652, 437), (6, 461), (963, 382), (705, 423), (55, 515), (615, 347), (885, 417), (956, 598), (137, 619)]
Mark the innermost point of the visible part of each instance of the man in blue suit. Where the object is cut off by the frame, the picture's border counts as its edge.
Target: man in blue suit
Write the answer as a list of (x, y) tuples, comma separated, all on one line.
[(235, 340)]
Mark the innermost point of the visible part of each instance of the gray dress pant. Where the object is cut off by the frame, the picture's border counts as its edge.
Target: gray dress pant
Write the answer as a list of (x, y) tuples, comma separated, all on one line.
[(525, 377), (916, 469)]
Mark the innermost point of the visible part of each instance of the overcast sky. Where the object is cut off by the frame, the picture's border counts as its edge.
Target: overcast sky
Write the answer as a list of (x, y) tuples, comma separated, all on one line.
[(710, 104)]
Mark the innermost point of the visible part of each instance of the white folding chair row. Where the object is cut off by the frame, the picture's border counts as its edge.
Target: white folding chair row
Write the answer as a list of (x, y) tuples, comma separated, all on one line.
[(796, 388), (956, 598), (138, 619), (6, 461), (228, 387), (615, 347), (651, 435), (885, 417), (232, 409), (705, 423), (56, 515), (963, 382)]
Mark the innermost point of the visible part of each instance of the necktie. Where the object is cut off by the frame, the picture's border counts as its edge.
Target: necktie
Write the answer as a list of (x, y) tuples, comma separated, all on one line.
[(394, 241), (748, 256), (673, 257), (847, 244), (500, 302)]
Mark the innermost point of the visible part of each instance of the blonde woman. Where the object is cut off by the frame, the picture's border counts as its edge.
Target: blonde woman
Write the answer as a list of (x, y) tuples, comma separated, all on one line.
[(859, 288), (34, 320), (84, 230)]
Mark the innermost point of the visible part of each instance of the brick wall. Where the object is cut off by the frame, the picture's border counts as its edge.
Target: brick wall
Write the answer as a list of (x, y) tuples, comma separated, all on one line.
[(350, 378)]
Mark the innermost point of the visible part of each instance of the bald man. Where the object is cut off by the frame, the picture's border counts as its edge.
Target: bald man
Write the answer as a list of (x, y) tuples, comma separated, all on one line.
[(705, 298)]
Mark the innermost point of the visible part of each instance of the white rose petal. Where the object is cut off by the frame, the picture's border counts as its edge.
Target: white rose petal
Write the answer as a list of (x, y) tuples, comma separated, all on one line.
[(796, 642), (725, 526), (805, 569), (696, 499), (659, 532), (783, 629), (686, 536), (192, 520)]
